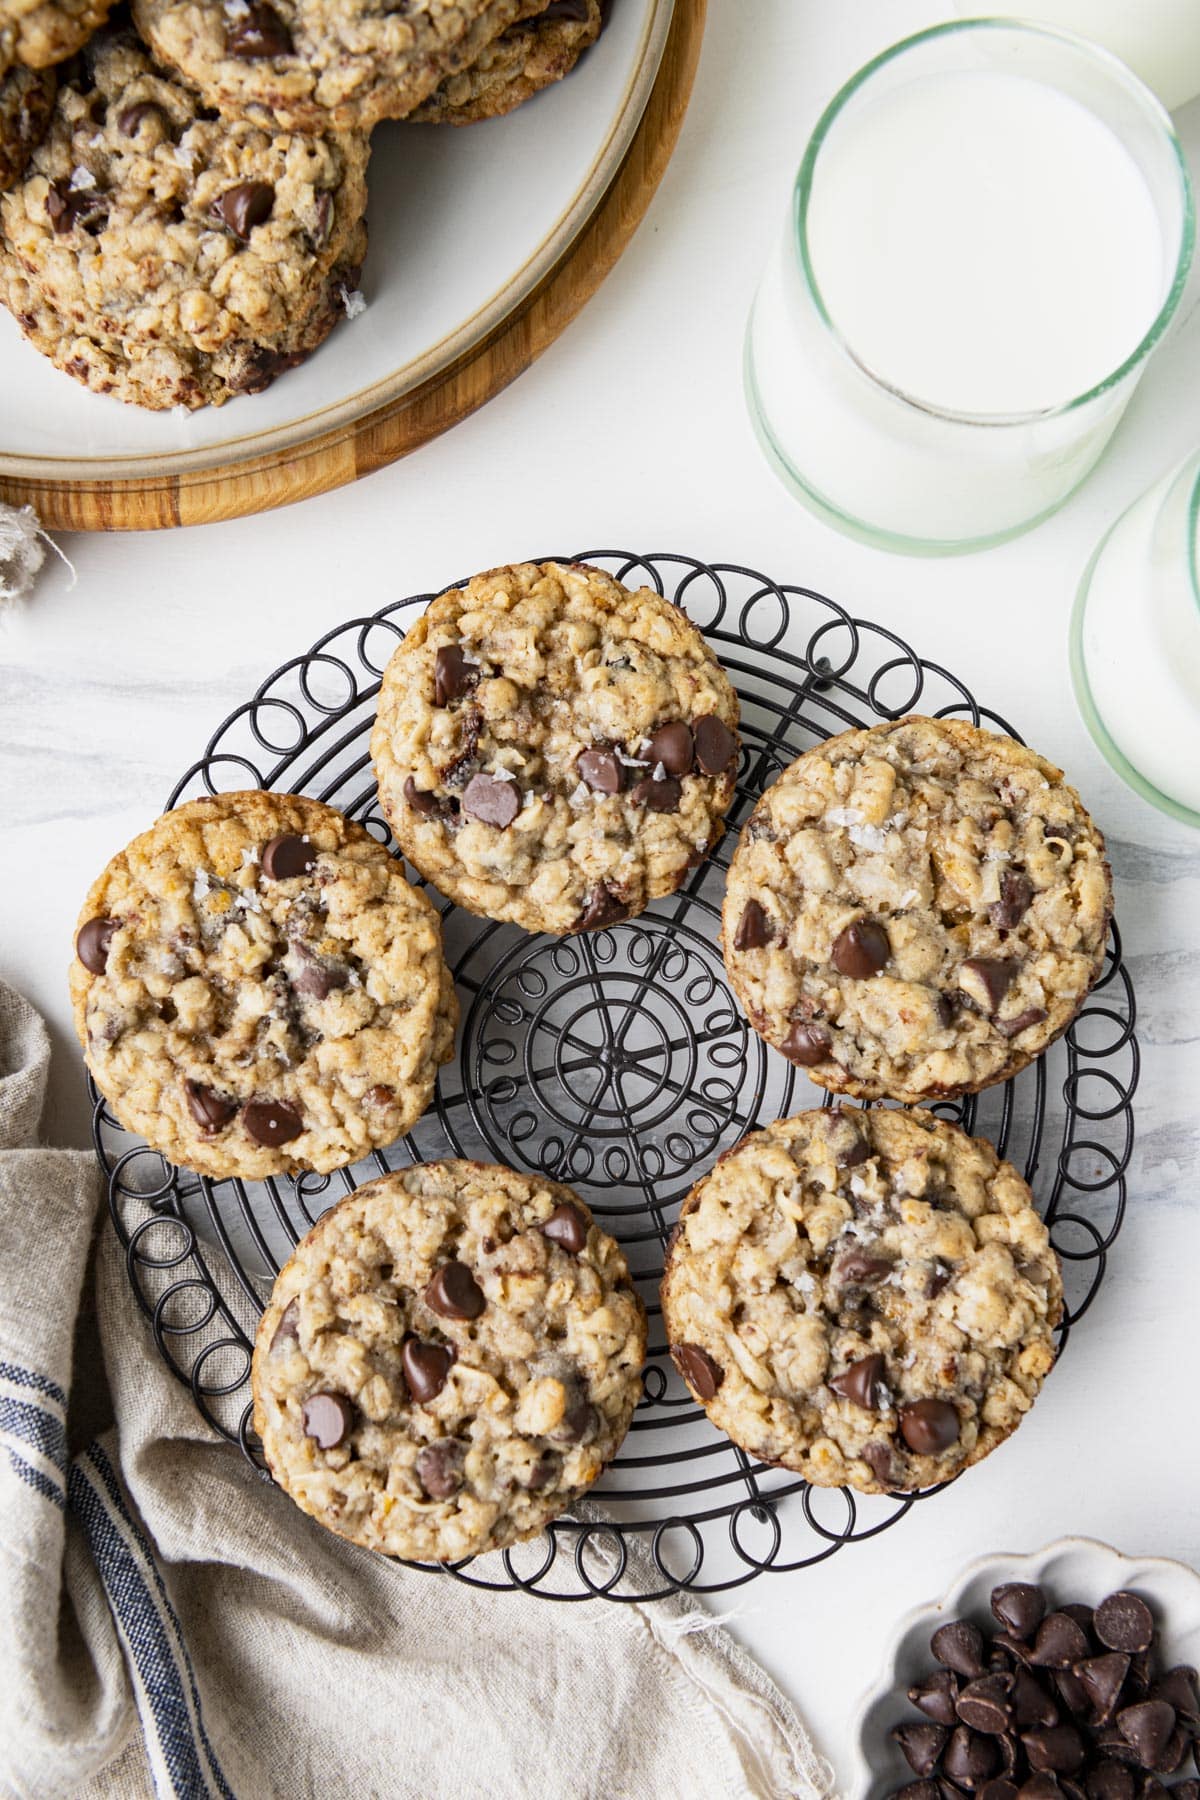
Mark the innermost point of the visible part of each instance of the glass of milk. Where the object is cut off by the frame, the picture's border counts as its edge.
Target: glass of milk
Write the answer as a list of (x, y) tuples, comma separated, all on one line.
[(1135, 644), (1159, 39), (991, 229)]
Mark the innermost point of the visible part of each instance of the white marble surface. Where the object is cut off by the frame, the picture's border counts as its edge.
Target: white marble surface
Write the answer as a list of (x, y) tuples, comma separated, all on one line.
[(631, 431)]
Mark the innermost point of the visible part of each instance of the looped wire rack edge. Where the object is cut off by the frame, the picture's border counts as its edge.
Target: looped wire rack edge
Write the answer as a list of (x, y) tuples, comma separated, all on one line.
[(619, 1062)]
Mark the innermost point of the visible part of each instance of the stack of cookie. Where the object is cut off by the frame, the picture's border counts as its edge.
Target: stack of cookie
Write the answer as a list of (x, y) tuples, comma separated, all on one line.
[(913, 912), (185, 217)]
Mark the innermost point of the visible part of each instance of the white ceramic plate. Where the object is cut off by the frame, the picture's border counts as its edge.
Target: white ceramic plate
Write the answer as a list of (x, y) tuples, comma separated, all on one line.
[(463, 224), (1073, 1569)]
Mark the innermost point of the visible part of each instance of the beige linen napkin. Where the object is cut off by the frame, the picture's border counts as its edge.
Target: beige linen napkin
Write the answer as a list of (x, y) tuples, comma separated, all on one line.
[(171, 1625)]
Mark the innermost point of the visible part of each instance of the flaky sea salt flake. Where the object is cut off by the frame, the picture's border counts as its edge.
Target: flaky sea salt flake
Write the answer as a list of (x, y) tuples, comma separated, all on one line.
[(867, 837)]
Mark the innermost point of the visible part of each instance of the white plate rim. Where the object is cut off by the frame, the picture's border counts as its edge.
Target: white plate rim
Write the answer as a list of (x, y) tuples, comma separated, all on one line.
[(432, 362), (1007, 1566)]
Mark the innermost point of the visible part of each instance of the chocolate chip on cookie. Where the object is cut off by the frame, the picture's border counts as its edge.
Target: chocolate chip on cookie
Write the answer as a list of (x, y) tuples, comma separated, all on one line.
[(716, 745), (426, 1368), (861, 950), (566, 1227), (701, 1372), (259, 31), (287, 856), (929, 1426), (986, 980), (601, 771), (454, 1293), (440, 1468), (862, 1382), (601, 907), (210, 1110), (272, 1122), (673, 746), (754, 928), (806, 1044), (328, 1418), (453, 676), (243, 207), (658, 796), (492, 801), (93, 941)]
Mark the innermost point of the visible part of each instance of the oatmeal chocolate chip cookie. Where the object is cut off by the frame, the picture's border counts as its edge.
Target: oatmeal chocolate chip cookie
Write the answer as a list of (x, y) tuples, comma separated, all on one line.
[(39, 33), (518, 64), (866, 1297), (553, 749), (26, 103), (451, 1357), (170, 257), (320, 65), (258, 989), (916, 910)]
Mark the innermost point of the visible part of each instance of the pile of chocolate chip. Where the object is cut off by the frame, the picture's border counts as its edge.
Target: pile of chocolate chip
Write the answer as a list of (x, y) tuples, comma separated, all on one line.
[(1062, 1701)]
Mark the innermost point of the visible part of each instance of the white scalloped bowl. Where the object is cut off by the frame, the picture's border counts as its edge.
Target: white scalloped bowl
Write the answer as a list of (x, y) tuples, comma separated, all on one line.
[(1073, 1569)]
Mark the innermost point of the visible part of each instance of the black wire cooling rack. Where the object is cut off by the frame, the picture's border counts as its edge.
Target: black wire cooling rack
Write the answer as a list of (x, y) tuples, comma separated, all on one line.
[(619, 1062)]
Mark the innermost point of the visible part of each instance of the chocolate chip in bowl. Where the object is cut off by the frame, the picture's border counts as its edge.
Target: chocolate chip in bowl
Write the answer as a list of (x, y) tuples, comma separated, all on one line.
[(1068, 1673)]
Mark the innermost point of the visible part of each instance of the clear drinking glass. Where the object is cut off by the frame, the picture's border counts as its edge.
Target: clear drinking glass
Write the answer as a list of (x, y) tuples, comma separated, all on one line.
[(1135, 644), (880, 463)]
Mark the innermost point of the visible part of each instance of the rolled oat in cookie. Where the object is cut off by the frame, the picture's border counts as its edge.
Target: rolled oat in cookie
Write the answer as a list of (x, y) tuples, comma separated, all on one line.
[(516, 65), (866, 1297), (322, 65), (554, 749), (916, 910), (452, 1356), (258, 989), (161, 254)]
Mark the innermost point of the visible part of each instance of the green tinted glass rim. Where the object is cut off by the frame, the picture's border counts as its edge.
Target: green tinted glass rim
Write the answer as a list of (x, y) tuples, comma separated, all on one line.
[(1117, 72)]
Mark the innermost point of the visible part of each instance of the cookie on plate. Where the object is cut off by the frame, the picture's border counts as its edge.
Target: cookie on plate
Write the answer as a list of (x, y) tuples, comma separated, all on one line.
[(258, 989), (321, 65), (519, 63), (916, 909), (169, 257), (40, 33), (554, 749), (26, 103), (450, 1358), (866, 1297)]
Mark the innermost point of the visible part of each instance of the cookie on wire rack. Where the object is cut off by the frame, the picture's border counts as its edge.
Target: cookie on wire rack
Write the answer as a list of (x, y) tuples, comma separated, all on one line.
[(554, 749), (169, 257), (916, 909), (865, 1297), (258, 989), (520, 63), (451, 1357)]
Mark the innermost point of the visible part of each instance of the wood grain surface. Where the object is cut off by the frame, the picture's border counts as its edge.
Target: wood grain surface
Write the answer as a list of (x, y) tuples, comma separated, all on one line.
[(257, 484)]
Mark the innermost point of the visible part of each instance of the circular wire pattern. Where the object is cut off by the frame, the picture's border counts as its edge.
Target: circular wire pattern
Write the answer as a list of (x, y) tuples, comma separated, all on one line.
[(619, 1062)]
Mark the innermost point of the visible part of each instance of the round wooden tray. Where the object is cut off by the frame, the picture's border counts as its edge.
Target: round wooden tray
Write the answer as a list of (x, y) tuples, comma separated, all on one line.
[(256, 484)]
